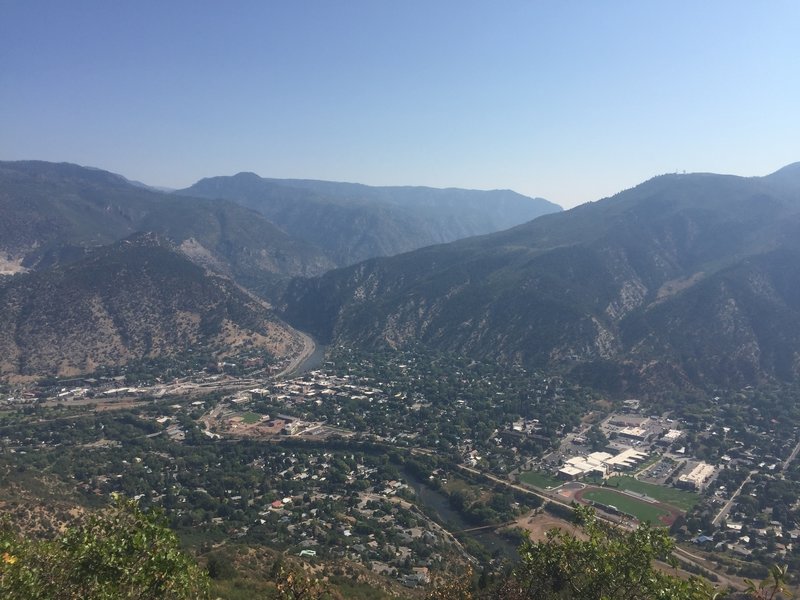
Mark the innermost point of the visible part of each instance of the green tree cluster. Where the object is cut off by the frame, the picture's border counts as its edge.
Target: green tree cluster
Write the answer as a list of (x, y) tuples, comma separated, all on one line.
[(118, 553), (604, 563), (601, 563)]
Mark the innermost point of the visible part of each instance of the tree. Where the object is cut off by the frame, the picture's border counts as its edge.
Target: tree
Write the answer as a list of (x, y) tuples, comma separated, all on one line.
[(293, 584), (604, 562), (458, 588), (596, 438), (773, 586), (118, 553), (220, 566)]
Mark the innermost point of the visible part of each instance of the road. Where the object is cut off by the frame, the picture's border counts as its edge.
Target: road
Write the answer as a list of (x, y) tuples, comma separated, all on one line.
[(791, 457), (727, 507), (683, 555), (541, 495), (308, 349), (707, 565)]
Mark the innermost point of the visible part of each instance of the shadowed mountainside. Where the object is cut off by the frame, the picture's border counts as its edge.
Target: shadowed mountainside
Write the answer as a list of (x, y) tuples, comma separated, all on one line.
[(683, 280)]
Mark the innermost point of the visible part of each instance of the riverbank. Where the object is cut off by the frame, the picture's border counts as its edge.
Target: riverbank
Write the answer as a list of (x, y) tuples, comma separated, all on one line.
[(437, 505), (310, 357)]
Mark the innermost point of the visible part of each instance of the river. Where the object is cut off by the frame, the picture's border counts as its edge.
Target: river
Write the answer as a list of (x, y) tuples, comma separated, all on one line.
[(313, 361), (436, 504)]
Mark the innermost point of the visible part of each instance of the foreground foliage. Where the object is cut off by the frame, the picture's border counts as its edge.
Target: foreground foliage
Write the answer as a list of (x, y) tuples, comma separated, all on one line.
[(125, 553), (121, 552), (605, 563), (601, 563)]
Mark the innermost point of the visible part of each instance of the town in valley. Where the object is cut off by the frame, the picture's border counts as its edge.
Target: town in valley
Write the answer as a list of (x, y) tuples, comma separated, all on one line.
[(405, 467)]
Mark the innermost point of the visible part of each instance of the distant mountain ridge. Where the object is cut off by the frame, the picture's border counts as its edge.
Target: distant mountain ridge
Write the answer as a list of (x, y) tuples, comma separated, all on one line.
[(85, 294), (682, 280), (53, 212), (353, 222)]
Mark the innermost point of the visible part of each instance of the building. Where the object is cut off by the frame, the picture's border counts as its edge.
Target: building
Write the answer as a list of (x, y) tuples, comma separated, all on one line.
[(626, 459), (671, 436), (569, 473), (582, 466), (635, 433), (599, 464), (697, 478)]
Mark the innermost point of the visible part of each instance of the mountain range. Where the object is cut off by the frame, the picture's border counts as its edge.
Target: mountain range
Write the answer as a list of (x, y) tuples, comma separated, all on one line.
[(684, 280), (53, 213), (353, 222), (69, 300)]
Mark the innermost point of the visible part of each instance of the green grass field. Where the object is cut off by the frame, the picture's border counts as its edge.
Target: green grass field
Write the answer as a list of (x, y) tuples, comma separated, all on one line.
[(680, 499), (540, 480), (638, 508), (251, 417)]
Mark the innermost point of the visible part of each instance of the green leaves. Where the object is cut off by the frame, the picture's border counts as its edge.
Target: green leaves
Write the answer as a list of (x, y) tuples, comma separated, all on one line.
[(774, 586), (602, 563), (120, 553)]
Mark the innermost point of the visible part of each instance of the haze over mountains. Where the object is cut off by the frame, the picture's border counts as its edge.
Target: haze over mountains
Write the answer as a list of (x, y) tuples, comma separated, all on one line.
[(683, 280), (61, 229), (352, 222), (53, 212)]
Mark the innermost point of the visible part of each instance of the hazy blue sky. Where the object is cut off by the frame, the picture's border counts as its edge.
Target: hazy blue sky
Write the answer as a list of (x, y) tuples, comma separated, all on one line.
[(564, 99)]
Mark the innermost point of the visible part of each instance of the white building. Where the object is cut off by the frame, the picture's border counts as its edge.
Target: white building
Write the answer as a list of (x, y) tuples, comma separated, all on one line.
[(599, 463), (671, 436), (636, 433), (698, 477)]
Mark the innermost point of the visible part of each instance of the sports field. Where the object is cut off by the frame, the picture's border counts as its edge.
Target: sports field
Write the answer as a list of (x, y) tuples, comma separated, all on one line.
[(540, 480), (251, 417), (681, 499), (643, 511)]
